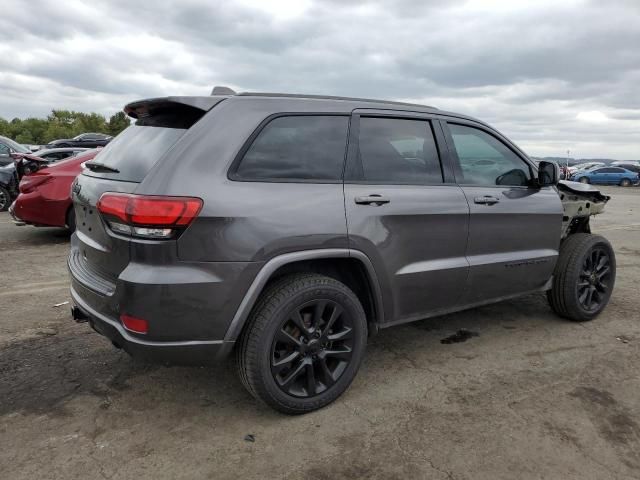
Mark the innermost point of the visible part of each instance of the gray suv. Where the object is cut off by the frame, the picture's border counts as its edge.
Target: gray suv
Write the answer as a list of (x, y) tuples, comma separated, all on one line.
[(286, 229)]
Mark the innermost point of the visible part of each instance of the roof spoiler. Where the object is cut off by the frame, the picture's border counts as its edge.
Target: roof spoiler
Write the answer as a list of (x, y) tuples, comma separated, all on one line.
[(221, 90), (146, 107)]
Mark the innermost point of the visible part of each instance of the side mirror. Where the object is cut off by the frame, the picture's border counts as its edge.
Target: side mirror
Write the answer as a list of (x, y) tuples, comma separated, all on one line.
[(548, 173)]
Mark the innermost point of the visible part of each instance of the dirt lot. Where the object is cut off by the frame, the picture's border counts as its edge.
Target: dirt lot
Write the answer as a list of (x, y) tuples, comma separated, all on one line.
[(531, 397)]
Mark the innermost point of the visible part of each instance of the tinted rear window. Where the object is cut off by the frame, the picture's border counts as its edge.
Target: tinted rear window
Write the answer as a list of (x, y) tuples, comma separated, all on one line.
[(310, 147), (135, 151)]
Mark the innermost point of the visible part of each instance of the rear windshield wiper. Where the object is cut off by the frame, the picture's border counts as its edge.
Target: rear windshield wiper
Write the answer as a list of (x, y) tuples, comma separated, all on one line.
[(100, 167)]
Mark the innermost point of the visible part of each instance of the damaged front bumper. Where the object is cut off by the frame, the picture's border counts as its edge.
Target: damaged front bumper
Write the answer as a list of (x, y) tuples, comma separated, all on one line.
[(579, 201)]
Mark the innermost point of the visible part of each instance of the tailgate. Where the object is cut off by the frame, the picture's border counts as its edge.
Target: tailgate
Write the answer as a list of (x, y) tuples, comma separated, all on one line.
[(97, 252)]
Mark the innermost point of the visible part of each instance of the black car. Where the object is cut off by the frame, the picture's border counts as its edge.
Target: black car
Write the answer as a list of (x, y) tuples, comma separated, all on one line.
[(10, 179), (629, 166), (317, 222), (88, 140), (7, 147)]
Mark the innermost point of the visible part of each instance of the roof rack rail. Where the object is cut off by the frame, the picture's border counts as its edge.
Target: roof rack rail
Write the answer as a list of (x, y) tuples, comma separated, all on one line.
[(331, 97), (222, 90)]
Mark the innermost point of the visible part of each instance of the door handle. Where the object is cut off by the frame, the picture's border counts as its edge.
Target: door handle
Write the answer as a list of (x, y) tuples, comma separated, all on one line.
[(374, 199), (486, 200)]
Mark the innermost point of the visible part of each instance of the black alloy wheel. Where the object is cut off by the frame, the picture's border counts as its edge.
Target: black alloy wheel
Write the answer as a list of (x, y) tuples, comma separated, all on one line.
[(303, 343), (312, 348), (593, 286), (583, 278)]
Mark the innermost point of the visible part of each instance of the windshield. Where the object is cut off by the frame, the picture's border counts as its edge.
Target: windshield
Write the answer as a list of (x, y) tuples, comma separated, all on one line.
[(14, 145), (135, 151)]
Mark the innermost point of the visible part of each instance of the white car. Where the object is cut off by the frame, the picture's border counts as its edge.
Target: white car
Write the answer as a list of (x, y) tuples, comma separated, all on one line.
[(584, 166), (627, 162)]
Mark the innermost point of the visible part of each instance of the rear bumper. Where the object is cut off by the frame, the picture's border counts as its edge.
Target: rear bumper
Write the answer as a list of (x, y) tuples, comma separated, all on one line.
[(196, 352), (32, 209), (14, 217)]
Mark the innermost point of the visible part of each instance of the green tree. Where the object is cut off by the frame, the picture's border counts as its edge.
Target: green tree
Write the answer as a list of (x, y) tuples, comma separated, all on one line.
[(61, 124), (4, 127), (89, 122), (117, 123)]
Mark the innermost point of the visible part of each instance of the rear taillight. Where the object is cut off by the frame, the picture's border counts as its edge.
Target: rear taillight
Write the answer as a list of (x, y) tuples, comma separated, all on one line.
[(29, 183), (148, 216)]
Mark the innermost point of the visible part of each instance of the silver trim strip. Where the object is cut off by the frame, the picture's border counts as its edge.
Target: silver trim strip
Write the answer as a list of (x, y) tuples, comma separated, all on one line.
[(433, 265), (519, 256)]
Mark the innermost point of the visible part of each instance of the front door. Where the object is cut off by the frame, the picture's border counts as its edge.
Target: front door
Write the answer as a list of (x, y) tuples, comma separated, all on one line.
[(514, 226), (405, 213)]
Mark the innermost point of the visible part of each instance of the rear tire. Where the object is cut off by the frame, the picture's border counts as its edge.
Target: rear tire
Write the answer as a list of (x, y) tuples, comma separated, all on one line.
[(303, 343), (584, 277), (625, 182), (584, 180), (5, 199)]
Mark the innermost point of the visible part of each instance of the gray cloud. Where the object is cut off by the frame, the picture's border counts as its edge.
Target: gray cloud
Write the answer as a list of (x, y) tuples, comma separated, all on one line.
[(537, 71)]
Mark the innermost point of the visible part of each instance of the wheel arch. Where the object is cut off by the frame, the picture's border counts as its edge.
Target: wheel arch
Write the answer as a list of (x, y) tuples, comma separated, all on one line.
[(351, 267)]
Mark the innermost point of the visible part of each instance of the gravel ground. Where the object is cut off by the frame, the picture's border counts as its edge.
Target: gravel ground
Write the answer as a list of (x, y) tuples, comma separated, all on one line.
[(531, 396)]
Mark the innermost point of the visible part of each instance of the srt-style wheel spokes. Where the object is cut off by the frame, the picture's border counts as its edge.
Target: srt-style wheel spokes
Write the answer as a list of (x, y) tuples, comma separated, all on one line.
[(593, 283), (312, 348)]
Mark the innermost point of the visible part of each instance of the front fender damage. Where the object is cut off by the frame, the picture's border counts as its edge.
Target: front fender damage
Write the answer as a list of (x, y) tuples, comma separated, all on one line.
[(579, 202)]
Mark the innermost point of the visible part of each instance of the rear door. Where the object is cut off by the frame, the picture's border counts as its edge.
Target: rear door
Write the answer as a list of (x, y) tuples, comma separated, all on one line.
[(615, 175), (405, 212), (514, 227)]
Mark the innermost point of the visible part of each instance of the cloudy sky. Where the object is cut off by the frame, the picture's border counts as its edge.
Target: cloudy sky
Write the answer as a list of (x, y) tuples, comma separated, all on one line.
[(553, 75)]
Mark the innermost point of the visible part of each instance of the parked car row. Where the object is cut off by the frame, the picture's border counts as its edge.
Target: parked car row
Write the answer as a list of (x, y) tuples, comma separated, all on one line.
[(608, 175), (45, 199), (84, 140), (24, 163)]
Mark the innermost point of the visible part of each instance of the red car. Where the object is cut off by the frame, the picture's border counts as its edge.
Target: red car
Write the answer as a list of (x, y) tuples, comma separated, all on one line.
[(45, 199)]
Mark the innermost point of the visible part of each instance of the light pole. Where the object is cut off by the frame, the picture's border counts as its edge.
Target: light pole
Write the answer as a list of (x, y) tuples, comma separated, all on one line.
[(568, 152)]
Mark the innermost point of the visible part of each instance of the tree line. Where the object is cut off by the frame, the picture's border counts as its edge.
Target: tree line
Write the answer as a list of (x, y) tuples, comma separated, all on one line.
[(61, 124)]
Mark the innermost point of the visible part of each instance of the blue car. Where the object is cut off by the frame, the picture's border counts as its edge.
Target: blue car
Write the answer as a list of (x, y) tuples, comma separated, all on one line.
[(607, 176)]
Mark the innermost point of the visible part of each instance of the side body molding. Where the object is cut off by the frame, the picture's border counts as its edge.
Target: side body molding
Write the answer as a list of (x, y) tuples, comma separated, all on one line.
[(274, 264)]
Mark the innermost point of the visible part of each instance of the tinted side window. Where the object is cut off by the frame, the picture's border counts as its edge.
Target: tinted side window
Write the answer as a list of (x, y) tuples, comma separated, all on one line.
[(396, 151), (4, 150), (309, 147), (485, 160)]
